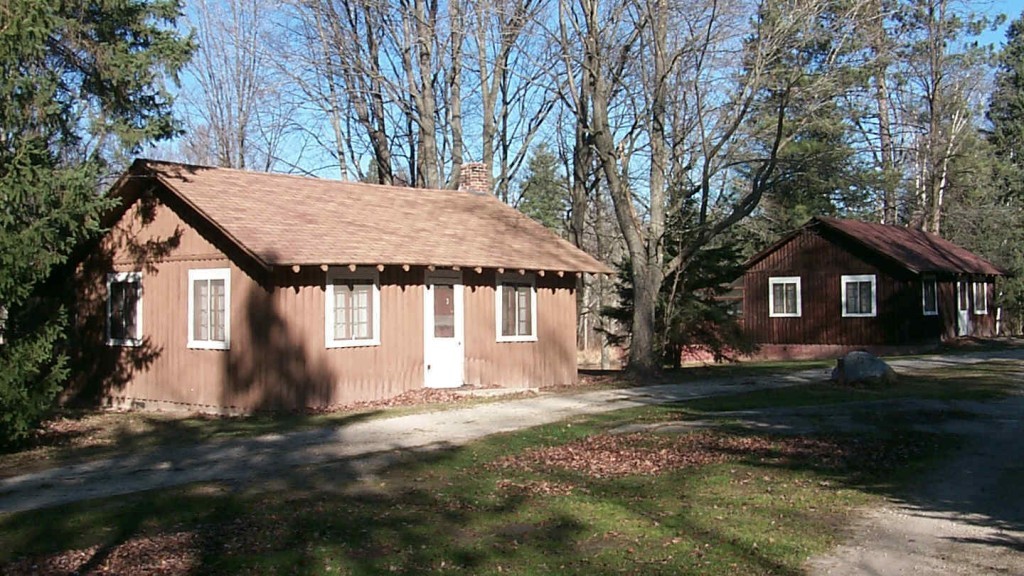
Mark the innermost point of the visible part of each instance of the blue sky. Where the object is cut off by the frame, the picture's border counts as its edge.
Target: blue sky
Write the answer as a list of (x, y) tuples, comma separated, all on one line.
[(1012, 9)]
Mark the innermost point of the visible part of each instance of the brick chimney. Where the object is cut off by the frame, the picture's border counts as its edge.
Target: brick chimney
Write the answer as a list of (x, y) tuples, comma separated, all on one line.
[(475, 177)]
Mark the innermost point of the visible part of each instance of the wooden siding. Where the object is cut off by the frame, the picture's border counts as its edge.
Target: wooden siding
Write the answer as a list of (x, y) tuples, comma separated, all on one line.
[(278, 357), (820, 262), (551, 360)]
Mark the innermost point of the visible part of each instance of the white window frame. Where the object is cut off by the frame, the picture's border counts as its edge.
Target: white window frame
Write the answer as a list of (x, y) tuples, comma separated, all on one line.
[(924, 296), (874, 294), (135, 277), (209, 274), (362, 274), (772, 281), (502, 280), (974, 297)]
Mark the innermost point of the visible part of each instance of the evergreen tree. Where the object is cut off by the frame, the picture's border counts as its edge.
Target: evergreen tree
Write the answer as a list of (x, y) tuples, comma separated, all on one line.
[(817, 175), (983, 218), (817, 172), (986, 206), (80, 84), (542, 194), (693, 312), (1006, 110)]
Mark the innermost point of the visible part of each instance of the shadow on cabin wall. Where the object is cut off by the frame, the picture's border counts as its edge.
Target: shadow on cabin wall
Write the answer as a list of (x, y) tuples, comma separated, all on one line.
[(268, 367), (272, 364), (96, 369)]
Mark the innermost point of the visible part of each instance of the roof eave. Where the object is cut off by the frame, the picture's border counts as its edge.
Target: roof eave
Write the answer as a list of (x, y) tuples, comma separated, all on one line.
[(600, 269), (773, 247)]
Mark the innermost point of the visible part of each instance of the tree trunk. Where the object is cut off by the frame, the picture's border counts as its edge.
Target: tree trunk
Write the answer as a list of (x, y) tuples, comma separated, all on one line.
[(455, 90), (425, 26), (886, 150), (488, 91), (644, 356), (881, 45)]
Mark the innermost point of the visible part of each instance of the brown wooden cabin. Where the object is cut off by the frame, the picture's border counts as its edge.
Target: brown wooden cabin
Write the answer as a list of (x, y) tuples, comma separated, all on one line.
[(232, 291), (835, 285)]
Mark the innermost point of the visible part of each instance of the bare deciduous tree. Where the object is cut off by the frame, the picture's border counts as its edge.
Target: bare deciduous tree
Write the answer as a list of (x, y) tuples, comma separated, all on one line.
[(690, 124), (422, 82), (516, 93), (237, 117)]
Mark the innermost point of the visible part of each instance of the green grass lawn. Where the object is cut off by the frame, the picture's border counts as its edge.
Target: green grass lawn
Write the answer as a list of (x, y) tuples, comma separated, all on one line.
[(988, 381), (750, 504), (567, 498)]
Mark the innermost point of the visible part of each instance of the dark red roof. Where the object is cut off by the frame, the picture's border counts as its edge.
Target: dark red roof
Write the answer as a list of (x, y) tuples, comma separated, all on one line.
[(917, 251)]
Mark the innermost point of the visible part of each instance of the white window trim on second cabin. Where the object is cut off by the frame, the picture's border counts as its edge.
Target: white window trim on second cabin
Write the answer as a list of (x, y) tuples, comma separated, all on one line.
[(844, 280), (209, 274), (772, 282), (924, 296), (133, 278), (517, 279), (981, 287), (362, 275)]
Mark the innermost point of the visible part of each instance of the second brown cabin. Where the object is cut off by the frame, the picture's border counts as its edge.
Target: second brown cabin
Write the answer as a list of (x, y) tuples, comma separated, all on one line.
[(835, 285)]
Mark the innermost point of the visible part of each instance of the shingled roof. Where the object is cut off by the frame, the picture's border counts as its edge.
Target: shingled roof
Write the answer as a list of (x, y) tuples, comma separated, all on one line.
[(293, 220), (917, 251)]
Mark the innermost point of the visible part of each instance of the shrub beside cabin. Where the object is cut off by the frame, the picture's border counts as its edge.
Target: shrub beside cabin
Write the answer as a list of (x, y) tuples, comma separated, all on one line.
[(227, 290), (834, 285)]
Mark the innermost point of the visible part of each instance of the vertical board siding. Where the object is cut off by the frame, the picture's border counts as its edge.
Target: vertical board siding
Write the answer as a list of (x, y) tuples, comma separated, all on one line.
[(551, 360), (278, 357), (820, 263), (164, 368)]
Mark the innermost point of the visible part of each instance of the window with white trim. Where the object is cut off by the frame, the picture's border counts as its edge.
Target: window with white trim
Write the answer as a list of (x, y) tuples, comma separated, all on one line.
[(784, 296), (929, 297), (124, 309), (516, 308), (209, 308), (980, 298), (352, 313), (858, 295)]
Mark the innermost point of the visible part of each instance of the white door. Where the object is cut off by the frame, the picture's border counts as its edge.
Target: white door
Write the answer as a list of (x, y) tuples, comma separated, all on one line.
[(443, 355), (963, 308)]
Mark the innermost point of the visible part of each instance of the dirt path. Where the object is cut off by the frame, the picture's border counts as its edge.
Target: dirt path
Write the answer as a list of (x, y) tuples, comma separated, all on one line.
[(967, 517)]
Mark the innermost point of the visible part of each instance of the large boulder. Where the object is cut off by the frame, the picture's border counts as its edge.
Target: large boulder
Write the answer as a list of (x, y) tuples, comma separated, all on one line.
[(863, 368)]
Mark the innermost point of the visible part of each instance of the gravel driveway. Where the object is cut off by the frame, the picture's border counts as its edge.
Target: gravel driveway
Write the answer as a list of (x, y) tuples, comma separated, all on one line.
[(365, 445)]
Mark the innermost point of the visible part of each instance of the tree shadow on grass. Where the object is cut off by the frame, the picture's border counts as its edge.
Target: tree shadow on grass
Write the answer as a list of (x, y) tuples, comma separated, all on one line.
[(299, 521), (907, 455), (78, 436), (444, 510), (410, 513)]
